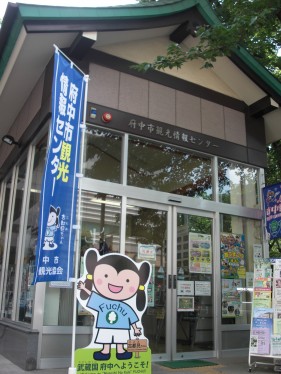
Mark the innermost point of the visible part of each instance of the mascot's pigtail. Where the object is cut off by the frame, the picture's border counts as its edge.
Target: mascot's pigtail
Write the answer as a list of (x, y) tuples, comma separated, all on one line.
[(144, 272), (91, 262)]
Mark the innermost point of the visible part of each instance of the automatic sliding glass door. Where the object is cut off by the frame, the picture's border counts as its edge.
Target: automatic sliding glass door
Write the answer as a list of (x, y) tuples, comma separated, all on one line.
[(193, 311), (148, 233), (179, 320)]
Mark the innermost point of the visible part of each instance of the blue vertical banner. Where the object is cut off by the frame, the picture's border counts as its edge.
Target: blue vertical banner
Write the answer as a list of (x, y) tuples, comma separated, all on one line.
[(272, 210), (56, 235)]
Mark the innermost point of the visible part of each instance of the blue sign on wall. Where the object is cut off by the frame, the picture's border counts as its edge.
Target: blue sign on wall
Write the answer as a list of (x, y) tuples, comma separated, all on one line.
[(55, 245), (272, 208)]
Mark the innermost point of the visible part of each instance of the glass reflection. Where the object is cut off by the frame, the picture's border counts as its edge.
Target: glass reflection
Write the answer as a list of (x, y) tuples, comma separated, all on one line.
[(240, 244), (26, 295), (162, 167), (102, 155), (195, 317), (146, 237), (238, 184), (100, 228), (10, 275)]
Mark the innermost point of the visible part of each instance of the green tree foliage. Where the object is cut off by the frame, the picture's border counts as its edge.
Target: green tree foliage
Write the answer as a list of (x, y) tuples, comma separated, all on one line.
[(252, 24), (273, 170)]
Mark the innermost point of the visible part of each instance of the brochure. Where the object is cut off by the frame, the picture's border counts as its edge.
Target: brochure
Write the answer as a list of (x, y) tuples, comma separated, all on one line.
[(277, 321), (276, 345), (260, 341)]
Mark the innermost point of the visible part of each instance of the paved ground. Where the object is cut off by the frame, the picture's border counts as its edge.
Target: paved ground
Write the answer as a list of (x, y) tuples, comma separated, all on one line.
[(225, 366)]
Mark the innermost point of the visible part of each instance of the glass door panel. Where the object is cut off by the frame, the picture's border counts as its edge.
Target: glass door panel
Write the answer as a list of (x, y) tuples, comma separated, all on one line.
[(146, 239), (194, 285), (179, 319)]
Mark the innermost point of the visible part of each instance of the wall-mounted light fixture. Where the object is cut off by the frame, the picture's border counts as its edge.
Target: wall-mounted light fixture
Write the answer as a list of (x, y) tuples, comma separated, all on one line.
[(8, 139)]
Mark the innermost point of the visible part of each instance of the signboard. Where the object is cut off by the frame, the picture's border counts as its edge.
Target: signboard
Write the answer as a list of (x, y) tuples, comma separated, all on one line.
[(233, 256), (272, 209), (185, 304), (231, 298), (114, 289), (55, 246), (200, 253), (185, 288), (147, 252)]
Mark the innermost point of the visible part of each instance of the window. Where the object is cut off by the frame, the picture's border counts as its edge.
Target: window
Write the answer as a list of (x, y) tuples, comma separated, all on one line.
[(26, 295), (102, 155), (238, 184), (240, 243), (14, 245), (162, 167), (100, 228), (6, 196)]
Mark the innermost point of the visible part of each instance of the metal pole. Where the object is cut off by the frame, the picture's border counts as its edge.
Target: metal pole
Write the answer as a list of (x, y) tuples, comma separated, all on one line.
[(72, 369)]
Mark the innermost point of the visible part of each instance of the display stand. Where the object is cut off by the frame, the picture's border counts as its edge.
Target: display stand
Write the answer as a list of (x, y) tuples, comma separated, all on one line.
[(265, 336)]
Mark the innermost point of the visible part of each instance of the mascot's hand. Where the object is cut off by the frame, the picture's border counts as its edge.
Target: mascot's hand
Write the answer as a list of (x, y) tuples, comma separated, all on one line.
[(137, 331), (81, 285)]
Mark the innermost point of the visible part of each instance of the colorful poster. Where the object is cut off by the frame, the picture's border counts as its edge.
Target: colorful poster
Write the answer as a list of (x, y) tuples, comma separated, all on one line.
[(231, 298), (113, 288), (272, 203), (233, 256), (200, 253), (55, 245)]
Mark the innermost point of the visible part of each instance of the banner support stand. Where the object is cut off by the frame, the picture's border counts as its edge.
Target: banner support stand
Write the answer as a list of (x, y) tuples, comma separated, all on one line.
[(72, 368)]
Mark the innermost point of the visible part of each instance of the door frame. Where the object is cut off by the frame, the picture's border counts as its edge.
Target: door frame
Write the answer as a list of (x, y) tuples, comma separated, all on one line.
[(166, 355), (171, 294), (194, 354)]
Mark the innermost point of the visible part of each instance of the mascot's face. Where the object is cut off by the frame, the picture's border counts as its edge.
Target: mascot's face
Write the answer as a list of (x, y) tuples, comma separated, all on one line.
[(52, 219), (113, 285)]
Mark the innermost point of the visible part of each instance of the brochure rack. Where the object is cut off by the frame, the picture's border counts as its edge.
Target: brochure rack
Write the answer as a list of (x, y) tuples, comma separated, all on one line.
[(265, 336)]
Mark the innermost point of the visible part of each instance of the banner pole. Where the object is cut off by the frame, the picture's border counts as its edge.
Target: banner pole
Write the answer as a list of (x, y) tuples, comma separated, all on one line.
[(72, 369), (67, 58)]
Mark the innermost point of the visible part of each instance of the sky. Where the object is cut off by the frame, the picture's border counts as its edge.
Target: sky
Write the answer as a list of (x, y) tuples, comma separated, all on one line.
[(89, 3)]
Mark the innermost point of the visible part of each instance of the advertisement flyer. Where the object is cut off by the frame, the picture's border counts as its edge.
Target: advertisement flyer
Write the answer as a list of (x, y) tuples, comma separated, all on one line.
[(277, 321), (202, 288), (262, 299), (231, 298), (276, 345), (262, 328), (185, 304), (200, 253), (257, 251), (262, 268), (147, 252), (185, 288), (233, 256), (260, 341)]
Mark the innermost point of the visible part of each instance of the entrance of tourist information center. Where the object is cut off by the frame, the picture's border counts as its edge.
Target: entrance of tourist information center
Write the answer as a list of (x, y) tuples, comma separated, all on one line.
[(179, 320)]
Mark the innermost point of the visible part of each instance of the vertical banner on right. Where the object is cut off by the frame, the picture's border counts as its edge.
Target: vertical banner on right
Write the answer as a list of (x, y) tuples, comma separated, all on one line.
[(272, 210)]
